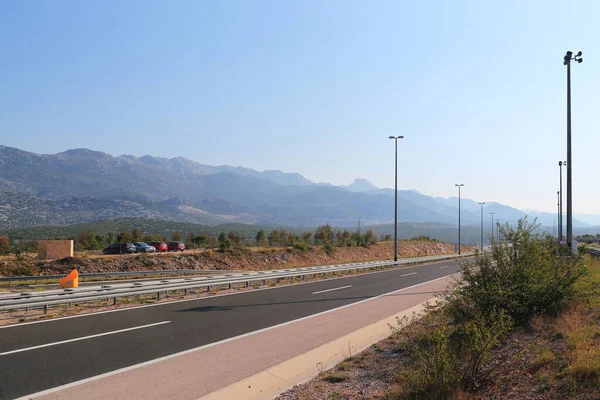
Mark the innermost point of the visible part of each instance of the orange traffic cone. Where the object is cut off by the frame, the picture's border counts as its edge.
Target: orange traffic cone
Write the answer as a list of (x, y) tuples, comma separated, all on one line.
[(71, 280)]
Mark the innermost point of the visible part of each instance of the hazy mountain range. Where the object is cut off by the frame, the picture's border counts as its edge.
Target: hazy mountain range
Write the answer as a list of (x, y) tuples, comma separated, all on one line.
[(83, 185)]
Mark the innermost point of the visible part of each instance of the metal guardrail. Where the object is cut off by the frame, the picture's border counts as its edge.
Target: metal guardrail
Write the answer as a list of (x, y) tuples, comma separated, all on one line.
[(46, 298), (82, 277), (594, 252)]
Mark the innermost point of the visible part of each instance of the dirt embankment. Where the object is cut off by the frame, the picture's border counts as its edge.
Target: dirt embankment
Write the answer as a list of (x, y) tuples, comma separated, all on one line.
[(236, 259)]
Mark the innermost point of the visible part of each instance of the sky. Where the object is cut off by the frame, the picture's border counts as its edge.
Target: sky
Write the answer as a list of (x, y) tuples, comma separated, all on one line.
[(477, 88)]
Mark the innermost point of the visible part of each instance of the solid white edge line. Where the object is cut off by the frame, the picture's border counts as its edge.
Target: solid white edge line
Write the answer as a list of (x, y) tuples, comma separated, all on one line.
[(82, 338), (331, 290), (206, 346), (399, 267), (412, 273)]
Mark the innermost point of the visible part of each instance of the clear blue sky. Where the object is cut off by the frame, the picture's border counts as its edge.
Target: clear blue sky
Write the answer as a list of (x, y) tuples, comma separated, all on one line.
[(478, 88)]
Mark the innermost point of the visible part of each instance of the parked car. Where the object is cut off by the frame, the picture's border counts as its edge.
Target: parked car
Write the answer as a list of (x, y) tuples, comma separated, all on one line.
[(174, 246), (141, 247), (120, 248), (159, 246)]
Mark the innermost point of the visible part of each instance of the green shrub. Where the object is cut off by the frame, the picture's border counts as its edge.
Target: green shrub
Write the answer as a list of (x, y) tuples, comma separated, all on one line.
[(329, 248), (300, 246), (528, 278), (432, 370), (335, 377)]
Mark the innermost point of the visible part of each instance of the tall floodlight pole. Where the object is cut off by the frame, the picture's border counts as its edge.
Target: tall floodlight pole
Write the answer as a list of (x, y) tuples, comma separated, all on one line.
[(396, 196), (567, 61), (492, 226), (481, 204), (459, 185)]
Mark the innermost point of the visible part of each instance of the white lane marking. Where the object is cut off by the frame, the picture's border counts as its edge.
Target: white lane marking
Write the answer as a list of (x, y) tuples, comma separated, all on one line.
[(445, 266), (206, 346), (412, 273), (82, 338), (330, 290), (425, 264)]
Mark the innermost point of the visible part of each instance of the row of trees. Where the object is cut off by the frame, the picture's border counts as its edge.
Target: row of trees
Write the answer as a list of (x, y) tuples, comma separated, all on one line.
[(324, 235)]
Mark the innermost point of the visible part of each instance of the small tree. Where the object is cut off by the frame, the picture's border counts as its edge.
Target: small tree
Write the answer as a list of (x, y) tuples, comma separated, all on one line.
[(136, 235), (86, 241), (260, 238), (201, 240), (307, 237), (370, 237), (273, 237), (176, 237), (189, 240), (234, 238), (124, 237), (4, 245), (110, 238), (324, 235), (224, 242)]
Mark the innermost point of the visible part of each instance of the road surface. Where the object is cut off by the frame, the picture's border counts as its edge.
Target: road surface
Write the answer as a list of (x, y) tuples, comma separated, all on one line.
[(42, 355)]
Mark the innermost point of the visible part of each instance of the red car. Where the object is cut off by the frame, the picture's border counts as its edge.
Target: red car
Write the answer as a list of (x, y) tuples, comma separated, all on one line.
[(160, 246), (174, 246)]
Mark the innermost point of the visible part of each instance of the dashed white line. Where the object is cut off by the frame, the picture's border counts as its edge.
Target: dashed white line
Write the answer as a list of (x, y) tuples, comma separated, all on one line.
[(330, 290), (412, 273), (82, 338), (445, 266)]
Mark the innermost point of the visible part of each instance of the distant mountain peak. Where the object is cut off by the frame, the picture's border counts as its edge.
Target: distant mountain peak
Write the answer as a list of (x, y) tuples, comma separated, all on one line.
[(361, 185)]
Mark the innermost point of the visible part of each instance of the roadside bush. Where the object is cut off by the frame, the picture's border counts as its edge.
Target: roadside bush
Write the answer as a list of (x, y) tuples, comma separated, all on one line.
[(432, 370), (300, 246), (475, 340), (329, 248), (497, 291), (528, 278)]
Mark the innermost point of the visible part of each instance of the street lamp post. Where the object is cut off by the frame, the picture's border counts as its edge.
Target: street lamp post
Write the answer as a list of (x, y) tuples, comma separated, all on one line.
[(567, 61), (560, 219), (498, 229), (492, 226), (558, 206), (481, 204), (396, 196), (459, 185)]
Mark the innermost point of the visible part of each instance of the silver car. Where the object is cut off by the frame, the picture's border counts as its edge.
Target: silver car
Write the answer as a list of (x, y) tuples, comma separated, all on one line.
[(141, 247)]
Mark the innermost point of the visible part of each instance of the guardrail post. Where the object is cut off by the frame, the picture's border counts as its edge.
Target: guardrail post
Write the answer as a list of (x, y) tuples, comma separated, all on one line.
[(114, 301), (247, 283), (230, 286), (157, 295), (264, 281), (45, 308), (185, 292)]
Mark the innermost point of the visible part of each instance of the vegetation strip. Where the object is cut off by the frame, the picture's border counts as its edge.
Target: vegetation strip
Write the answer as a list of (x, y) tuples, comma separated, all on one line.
[(523, 323)]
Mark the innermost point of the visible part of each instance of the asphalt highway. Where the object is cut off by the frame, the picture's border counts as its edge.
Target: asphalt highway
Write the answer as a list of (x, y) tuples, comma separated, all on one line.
[(40, 356)]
